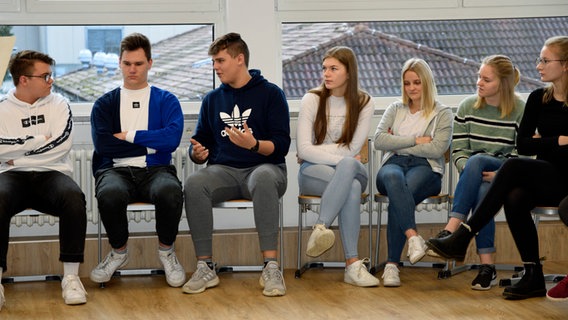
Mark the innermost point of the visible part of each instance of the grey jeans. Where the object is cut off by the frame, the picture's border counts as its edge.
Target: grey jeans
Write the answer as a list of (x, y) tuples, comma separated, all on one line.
[(263, 184)]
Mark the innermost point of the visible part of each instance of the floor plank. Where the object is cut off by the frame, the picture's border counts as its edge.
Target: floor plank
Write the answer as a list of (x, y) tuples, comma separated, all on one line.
[(319, 294)]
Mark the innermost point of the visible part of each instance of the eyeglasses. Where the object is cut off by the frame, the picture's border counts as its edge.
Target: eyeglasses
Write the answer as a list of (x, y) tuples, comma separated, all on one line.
[(45, 76), (545, 61)]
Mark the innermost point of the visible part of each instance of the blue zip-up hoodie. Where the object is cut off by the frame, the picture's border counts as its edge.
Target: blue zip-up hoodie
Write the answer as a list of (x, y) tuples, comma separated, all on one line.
[(262, 105), (165, 128)]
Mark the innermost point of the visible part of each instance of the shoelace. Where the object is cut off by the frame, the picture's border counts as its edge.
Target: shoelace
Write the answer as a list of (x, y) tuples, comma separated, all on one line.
[(107, 261), (486, 270), (273, 273), (74, 285), (390, 272), (171, 261), (202, 272)]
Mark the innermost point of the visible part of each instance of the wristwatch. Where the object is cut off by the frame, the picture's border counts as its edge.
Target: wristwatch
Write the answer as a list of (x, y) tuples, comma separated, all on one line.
[(255, 148)]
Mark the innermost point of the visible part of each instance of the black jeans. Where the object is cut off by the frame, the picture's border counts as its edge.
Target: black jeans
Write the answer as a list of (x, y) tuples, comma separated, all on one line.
[(117, 187), (50, 192), (519, 186)]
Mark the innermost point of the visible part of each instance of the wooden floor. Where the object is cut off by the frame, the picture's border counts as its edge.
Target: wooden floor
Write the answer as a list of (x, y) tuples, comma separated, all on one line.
[(319, 294)]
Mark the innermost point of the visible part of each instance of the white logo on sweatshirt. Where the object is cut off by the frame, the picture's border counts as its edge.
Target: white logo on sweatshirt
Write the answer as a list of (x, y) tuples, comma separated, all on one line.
[(235, 119)]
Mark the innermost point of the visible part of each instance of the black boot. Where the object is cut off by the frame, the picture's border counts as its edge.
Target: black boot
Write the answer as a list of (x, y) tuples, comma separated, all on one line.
[(531, 284), (453, 246)]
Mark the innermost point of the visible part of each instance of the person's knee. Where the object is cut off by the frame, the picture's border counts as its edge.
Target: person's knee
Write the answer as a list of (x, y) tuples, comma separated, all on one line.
[(170, 194), (194, 185), (267, 178), (111, 195), (348, 163)]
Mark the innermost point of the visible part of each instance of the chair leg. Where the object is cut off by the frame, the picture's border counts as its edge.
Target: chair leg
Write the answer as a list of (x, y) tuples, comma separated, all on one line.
[(299, 270)]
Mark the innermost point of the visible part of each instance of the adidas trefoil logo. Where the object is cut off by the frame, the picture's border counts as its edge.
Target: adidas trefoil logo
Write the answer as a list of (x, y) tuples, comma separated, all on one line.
[(235, 119)]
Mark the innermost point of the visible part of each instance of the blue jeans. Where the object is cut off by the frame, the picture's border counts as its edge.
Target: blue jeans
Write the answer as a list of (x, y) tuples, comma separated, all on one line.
[(469, 192), (406, 180), (340, 188)]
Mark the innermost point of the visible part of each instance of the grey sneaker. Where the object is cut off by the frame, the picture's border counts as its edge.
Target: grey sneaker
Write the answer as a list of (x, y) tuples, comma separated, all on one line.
[(175, 275), (2, 299), (416, 249), (357, 275), (272, 280), (112, 262), (201, 279), (321, 240), (73, 290)]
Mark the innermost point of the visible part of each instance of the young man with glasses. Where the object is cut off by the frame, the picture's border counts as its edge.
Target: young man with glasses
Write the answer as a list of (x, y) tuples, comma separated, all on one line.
[(35, 140)]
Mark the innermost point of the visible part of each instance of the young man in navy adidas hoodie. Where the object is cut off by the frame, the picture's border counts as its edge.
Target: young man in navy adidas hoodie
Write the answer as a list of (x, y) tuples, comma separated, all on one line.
[(243, 133), (135, 129)]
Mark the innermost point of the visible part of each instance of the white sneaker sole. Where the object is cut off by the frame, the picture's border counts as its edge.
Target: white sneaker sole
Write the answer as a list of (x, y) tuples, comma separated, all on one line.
[(323, 243), (210, 284)]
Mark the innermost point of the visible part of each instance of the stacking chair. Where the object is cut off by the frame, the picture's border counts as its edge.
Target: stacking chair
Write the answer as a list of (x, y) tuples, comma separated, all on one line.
[(136, 212), (537, 212), (247, 204), (31, 217), (311, 204), (444, 198)]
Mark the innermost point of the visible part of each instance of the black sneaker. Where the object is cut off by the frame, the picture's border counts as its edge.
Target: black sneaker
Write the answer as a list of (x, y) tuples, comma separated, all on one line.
[(486, 278), (442, 234)]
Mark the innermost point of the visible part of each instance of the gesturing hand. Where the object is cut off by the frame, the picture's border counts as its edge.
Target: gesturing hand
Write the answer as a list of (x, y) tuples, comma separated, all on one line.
[(199, 153), (242, 139)]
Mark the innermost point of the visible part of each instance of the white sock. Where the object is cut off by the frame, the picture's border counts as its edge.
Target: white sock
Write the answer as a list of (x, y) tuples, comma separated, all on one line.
[(71, 268)]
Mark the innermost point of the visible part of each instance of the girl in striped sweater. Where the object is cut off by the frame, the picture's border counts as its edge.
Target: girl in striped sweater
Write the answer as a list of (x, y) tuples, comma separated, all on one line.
[(485, 130)]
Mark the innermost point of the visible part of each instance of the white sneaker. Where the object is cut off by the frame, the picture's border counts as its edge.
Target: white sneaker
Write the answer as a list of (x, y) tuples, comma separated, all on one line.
[(416, 249), (104, 271), (390, 276), (321, 240), (73, 290), (2, 299), (272, 281), (201, 279), (175, 275), (357, 275)]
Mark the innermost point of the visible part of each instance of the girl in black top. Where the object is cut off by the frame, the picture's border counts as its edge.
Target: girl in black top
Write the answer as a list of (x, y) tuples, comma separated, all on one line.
[(523, 183)]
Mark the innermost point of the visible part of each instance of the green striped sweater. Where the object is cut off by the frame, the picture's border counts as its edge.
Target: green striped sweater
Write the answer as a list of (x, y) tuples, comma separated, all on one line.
[(484, 131)]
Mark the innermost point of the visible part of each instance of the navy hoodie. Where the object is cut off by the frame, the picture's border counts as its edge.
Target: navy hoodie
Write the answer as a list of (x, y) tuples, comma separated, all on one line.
[(262, 105)]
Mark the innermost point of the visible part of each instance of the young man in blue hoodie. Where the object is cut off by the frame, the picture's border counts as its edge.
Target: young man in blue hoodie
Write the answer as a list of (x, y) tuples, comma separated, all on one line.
[(243, 133), (135, 129)]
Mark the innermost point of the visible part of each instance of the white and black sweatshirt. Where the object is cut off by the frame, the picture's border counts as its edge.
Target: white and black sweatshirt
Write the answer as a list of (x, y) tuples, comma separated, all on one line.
[(35, 137)]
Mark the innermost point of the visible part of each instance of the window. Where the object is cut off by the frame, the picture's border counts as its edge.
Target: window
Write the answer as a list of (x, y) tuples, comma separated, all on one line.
[(453, 48), (104, 40), (87, 57)]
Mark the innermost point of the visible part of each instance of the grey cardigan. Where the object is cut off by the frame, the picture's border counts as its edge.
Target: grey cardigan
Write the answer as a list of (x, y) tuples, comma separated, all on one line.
[(440, 127)]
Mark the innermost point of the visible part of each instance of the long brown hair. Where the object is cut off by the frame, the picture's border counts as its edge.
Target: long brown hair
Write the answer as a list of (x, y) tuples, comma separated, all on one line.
[(355, 98)]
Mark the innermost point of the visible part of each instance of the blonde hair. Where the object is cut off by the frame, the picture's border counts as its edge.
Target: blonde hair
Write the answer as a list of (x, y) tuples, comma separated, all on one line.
[(509, 77), (559, 45), (429, 91)]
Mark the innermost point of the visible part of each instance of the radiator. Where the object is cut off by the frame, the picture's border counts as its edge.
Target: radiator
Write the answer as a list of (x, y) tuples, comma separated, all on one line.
[(81, 160)]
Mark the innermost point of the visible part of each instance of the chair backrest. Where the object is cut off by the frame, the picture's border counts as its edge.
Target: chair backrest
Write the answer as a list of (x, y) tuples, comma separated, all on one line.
[(364, 153)]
